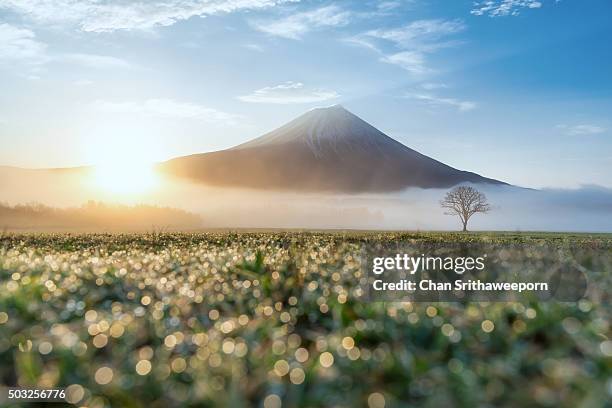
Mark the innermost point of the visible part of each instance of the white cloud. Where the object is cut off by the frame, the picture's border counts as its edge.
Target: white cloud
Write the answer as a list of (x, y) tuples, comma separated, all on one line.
[(289, 92), (167, 108), (20, 45), (411, 61), (254, 47), (362, 42), (430, 86), (412, 42), (296, 25), (20, 50), (422, 35), (431, 99), (112, 15), (95, 61), (385, 6), (579, 130), (500, 8)]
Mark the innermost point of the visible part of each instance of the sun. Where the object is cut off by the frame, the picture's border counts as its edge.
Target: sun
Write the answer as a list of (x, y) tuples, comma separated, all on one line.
[(123, 163), (126, 178)]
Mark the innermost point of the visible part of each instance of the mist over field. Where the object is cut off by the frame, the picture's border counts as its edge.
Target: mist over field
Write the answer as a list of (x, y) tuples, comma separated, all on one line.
[(584, 209)]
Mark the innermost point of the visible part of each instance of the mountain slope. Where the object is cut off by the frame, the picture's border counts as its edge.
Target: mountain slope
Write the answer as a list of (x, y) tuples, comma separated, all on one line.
[(326, 149)]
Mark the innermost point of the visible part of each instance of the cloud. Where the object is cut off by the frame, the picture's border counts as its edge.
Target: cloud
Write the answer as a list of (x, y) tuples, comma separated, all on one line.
[(411, 61), (579, 130), (22, 51), (167, 108), (289, 92), (430, 86), (412, 42), (254, 47), (112, 15), (20, 45), (501, 8), (385, 6), (431, 99), (421, 35), (296, 25), (95, 61)]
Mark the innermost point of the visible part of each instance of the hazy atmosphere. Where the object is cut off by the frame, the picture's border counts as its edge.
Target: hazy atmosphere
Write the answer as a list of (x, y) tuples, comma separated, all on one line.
[(477, 92), (306, 203), (586, 209)]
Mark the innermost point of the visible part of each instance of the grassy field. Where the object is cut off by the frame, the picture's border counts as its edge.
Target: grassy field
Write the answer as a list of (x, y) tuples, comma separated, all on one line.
[(264, 319)]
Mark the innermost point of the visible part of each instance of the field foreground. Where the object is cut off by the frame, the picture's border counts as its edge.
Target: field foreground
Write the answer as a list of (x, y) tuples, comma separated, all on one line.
[(277, 319)]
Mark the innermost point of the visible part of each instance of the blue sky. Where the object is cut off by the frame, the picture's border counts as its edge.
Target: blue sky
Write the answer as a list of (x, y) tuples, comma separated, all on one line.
[(518, 90)]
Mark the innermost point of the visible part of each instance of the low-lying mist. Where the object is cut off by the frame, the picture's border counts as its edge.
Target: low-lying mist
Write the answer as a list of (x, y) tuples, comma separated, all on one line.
[(587, 209), (95, 217)]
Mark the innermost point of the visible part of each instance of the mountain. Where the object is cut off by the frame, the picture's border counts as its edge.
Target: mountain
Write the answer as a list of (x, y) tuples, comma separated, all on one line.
[(326, 149)]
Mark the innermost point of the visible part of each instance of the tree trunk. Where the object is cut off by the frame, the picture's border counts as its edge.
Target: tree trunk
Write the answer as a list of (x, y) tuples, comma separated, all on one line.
[(465, 227)]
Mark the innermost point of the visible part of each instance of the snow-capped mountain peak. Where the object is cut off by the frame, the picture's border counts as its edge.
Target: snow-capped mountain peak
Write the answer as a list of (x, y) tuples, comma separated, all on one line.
[(325, 149), (329, 129)]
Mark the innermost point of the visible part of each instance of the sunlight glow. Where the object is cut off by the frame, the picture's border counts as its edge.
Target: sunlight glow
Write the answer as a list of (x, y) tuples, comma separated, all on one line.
[(123, 160), (126, 178)]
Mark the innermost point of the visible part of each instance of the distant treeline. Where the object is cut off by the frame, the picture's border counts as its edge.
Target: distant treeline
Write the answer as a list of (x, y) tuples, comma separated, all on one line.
[(95, 216)]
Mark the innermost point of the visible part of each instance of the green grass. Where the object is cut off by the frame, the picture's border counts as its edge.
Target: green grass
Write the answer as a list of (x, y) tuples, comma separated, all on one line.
[(232, 319)]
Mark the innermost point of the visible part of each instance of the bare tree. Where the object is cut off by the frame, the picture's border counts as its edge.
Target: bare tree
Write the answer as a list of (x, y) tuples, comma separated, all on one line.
[(465, 201)]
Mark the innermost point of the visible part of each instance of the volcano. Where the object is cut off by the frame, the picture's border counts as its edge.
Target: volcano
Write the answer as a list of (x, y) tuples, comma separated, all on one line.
[(324, 150)]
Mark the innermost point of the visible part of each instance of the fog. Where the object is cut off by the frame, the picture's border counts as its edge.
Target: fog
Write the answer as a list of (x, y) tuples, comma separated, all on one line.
[(587, 209)]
